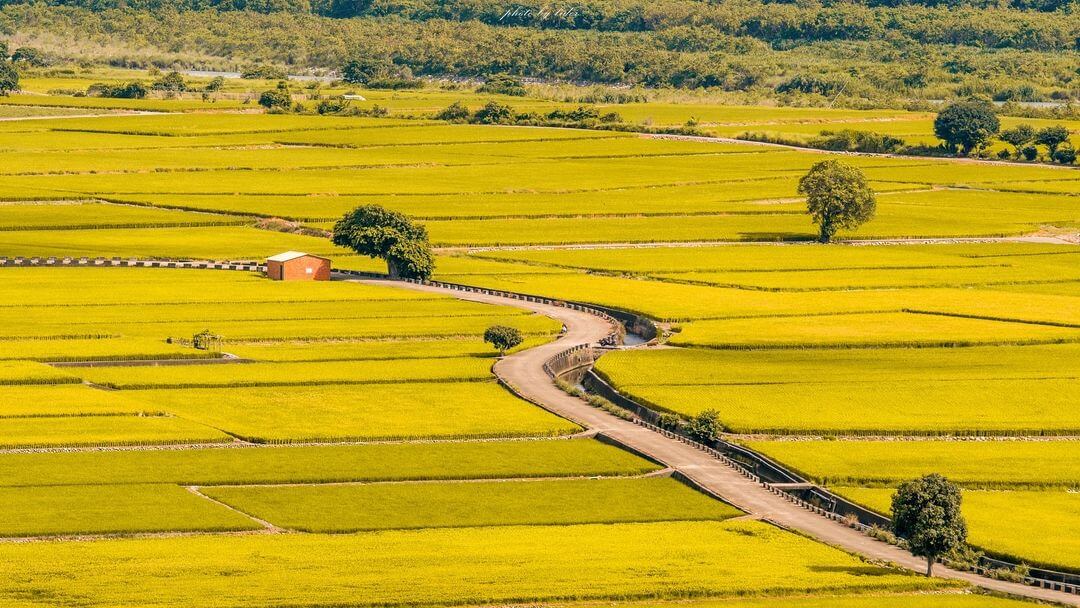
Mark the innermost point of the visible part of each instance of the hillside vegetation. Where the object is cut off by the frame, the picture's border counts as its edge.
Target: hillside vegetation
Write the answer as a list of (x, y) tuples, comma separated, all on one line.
[(862, 52)]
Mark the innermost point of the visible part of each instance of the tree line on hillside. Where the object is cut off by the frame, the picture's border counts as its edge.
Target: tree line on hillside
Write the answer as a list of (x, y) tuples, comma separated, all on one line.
[(894, 65), (695, 26)]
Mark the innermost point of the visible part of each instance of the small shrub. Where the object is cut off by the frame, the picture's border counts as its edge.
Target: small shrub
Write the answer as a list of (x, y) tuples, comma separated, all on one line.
[(455, 112), (264, 72), (503, 84), (503, 337), (276, 99), (705, 427)]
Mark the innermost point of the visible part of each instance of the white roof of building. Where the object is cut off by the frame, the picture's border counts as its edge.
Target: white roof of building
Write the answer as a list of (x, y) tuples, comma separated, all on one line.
[(286, 256)]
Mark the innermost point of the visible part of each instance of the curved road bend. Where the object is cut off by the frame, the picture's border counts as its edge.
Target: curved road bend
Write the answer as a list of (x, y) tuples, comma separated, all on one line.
[(524, 371)]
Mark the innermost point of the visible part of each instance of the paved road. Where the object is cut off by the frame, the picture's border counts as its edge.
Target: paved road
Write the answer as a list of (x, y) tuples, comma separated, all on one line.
[(524, 371)]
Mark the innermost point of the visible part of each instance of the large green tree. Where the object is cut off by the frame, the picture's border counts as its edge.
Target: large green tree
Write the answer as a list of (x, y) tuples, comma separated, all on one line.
[(9, 77), (837, 196), (966, 125), (377, 232), (926, 513)]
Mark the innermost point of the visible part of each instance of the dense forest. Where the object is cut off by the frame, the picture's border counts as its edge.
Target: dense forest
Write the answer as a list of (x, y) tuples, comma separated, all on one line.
[(865, 51)]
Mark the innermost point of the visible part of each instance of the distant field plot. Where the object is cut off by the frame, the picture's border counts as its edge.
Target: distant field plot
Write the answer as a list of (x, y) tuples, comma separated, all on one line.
[(351, 508), (971, 205), (21, 111), (975, 407), (362, 412), (916, 129), (799, 366), (298, 328), (35, 140), (967, 174), (290, 374), (103, 430), (878, 278), (29, 372), (673, 301), (324, 463), (65, 400), (980, 390), (412, 133), (461, 566), (565, 175), (1043, 527), (214, 243), (69, 215), (710, 114), (215, 123), (750, 227), (747, 258), (363, 350), (1057, 185), (113, 509), (730, 196), (610, 147), (345, 309), (866, 330), (98, 103), (938, 599), (171, 156), (978, 464)]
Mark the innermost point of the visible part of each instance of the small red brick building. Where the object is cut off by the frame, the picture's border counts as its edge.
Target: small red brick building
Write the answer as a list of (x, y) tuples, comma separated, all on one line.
[(297, 266)]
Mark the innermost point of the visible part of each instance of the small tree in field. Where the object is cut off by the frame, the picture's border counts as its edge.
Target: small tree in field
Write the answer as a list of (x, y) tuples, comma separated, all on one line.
[(1018, 136), (502, 337), (837, 196), (966, 125), (377, 232), (1052, 137), (276, 100), (926, 513)]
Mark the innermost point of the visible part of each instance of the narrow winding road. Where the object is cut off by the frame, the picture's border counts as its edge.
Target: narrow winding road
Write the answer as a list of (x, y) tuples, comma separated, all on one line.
[(524, 372)]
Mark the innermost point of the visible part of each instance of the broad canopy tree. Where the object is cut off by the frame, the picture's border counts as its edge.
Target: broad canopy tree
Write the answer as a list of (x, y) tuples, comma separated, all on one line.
[(966, 125), (926, 513), (837, 196), (378, 232), (1052, 137), (1019, 136)]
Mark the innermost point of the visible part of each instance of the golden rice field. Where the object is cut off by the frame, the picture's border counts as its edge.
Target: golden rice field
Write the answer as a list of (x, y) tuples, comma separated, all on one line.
[(975, 464), (360, 452)]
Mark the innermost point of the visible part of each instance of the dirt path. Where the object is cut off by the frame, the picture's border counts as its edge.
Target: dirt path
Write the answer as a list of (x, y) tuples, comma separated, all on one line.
[(524, 372)]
